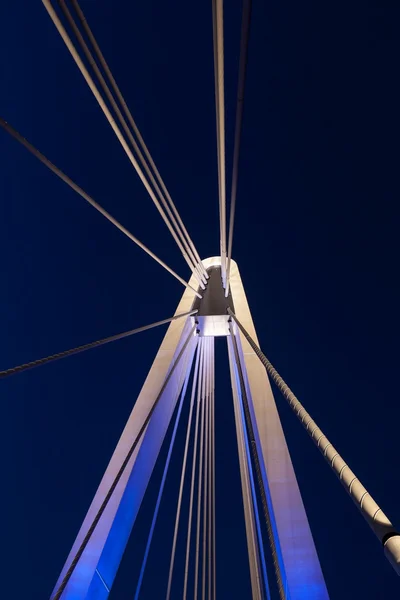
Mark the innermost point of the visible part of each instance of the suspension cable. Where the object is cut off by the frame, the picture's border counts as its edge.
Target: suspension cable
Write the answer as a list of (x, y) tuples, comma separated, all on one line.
[(57, 595), (252, 550), (253, 532), (209, 499), (256, 513), (185, 454), (135, 128), (196, 432), (256, 460), (214, 549), (255, 504), (189, 256), (163, 479), (244, 46), (211, 541), (200, 473), (206, 516), (218, 42), (96, 344), (111, 120), (373, 514), (17, 136)]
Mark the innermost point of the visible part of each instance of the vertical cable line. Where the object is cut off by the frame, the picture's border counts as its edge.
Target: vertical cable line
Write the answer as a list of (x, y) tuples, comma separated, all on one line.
[(214, 23), (112, 122), (185, 454), (164, 475), (255, 503), (128, 114), (17, 136), (256, 512), (218, 41), (244, 46), (248, 505), (187, 253), (256, 460), (206, 459), (257, 567), (60, 590), (214, 555), (200, 473), (196, 431), (209, 550)]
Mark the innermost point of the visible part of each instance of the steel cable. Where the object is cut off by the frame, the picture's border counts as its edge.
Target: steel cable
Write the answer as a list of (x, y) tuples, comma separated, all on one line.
[(256, 460), (192, 483), (244, 46), (200, 473), (89, 80), (183, 472), (17, 136), (135, 128), (163, 479), (112, 338), (218, 43)]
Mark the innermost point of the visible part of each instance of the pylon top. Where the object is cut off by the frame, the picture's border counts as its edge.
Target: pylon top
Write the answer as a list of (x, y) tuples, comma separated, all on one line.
[(212, 308)]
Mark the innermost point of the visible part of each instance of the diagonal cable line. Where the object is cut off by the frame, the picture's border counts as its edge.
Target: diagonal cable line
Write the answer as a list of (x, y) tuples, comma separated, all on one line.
[(372, 513), (60, 590), (187, 252), (244, 47), (135, 128), (112, 122), (17, 136), (164, 477), (96, 344)]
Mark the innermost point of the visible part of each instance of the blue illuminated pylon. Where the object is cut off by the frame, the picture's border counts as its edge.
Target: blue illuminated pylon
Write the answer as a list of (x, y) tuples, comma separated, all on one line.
[(299, 565)]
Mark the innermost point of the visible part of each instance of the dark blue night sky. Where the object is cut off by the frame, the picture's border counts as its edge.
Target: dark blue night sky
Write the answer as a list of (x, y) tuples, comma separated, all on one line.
[(316, 241)]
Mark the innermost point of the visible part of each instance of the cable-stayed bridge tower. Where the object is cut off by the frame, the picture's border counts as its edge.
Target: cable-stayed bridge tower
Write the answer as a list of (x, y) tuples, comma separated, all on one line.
[(213, 305), (293, 548)]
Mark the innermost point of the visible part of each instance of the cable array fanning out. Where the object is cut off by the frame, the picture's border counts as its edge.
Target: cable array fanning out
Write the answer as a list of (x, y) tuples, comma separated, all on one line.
[(135, 148), (277, 530)]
